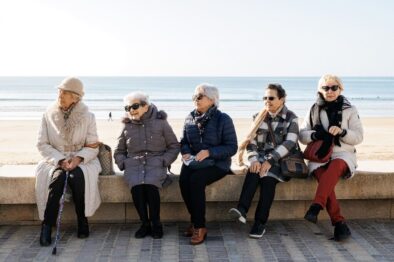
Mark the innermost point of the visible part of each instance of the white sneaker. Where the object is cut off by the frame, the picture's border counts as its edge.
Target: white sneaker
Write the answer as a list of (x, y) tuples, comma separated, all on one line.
[(238, 215)]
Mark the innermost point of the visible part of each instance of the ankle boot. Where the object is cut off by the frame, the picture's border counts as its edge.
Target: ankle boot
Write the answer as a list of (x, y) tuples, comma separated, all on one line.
[(341, 231), (144, 230), (83, 227), (199, 235), (312, 213), (45, 236), (157, 231)]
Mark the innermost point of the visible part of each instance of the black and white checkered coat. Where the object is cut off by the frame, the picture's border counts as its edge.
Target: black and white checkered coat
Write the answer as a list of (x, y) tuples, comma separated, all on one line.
[(286, 131)]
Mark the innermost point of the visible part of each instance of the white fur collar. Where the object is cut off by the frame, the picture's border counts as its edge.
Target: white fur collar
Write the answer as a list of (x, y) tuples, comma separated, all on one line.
[(66, 128)]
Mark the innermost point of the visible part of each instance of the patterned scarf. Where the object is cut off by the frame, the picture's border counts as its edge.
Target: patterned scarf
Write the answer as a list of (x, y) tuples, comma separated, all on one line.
[(201, 120), (67, 113)]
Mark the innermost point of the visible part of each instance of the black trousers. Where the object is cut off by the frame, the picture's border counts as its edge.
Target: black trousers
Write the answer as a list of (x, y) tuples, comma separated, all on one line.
[(192, 184), (267, 194), (76, 181), (147, 197)]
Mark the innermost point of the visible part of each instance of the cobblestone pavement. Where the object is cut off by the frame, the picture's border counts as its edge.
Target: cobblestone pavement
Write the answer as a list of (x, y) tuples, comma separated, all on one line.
[(371, 240)]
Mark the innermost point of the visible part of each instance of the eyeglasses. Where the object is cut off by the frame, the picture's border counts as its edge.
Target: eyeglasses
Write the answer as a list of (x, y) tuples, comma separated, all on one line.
[(134, 106), (333, 88), (270, 98), (197, 97)]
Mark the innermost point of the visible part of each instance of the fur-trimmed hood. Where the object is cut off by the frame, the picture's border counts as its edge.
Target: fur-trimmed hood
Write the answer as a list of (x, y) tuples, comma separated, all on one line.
[(152, 113)]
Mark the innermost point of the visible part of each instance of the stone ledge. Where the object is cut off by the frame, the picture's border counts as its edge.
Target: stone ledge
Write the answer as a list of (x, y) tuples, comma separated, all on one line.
[(367, 195), (17, 184)]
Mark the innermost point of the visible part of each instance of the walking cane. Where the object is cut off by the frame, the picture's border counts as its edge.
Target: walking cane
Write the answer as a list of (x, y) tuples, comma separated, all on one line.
[(59, 214)]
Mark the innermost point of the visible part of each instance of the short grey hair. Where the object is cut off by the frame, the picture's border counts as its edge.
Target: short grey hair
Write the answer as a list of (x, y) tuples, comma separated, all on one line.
[(138, 95), (210, 91)]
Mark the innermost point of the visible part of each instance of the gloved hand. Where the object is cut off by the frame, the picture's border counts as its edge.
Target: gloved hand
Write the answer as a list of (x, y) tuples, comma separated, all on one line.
[(324, 148), (320, 133)]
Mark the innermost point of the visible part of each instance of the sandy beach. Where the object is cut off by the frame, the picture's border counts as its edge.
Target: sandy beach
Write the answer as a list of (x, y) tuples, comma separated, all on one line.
[(18, 138)]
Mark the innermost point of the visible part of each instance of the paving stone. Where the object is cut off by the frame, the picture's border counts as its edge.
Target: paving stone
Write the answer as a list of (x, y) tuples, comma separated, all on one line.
[(371, 240)]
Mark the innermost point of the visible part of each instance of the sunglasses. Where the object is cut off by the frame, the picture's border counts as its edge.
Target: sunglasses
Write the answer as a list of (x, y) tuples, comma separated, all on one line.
[(134, 106), (270, 98), (333, 88), (197, 97)]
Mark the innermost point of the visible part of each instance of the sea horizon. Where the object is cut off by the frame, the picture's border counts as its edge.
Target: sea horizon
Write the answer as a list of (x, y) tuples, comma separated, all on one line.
[(240, 96)]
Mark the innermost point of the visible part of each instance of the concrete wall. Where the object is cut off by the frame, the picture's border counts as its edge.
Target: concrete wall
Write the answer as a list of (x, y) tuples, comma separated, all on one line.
[(367, 195)]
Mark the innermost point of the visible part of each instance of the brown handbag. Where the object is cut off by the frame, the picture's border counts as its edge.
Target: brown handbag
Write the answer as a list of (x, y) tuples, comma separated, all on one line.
[(312, 148), (293, 164)]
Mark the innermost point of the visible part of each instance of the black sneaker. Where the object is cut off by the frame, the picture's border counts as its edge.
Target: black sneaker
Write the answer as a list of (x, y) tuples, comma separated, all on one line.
[(341, 231), (238, 214), (157, 231), (312, 213), (144, 230), (257, 230)]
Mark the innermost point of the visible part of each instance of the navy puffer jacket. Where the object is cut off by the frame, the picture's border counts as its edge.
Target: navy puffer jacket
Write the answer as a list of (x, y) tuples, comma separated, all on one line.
[(219, 138)]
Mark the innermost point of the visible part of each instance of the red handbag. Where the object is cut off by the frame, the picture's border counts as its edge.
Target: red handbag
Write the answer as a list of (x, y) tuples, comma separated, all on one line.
[(312, 148)]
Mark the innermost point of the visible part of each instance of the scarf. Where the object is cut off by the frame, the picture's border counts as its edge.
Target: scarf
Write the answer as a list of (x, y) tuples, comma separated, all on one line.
[(334, 111), (201, 120), (67, 112)]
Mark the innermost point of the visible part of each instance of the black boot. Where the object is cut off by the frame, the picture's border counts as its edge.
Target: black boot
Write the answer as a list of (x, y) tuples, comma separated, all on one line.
[(144, 230), (45, 236), (157, 230), (312, 213), (341, 231), (83, 227)]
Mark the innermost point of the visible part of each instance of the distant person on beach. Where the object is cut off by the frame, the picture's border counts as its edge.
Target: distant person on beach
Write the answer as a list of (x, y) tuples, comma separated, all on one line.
[(209, 140), (146, 146), (264, 157), (110, 116), (68, 142), (335, 121)]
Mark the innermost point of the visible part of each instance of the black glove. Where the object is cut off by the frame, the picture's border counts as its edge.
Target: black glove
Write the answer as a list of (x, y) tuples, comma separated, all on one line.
[(327, 142), (320, 133)]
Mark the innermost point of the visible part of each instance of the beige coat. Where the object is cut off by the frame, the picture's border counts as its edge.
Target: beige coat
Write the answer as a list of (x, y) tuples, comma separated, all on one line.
[(347, 151), (59, 139)]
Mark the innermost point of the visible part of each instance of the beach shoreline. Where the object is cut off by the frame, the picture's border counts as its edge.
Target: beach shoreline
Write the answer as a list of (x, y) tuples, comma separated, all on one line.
[(18, 138)]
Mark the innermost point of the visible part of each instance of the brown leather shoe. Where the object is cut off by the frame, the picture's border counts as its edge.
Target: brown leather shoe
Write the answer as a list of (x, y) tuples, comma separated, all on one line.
[(188, 231), (199, 235)]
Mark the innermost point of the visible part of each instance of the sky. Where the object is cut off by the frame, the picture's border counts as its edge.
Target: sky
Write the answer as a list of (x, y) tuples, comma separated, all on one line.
[(196, 38)]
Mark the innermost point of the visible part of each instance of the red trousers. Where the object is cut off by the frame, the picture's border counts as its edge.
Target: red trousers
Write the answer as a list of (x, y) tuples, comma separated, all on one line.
[(328, 177)]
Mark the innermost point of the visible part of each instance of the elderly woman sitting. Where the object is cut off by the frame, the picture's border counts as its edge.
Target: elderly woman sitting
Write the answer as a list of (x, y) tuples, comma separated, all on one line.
[(208, 142), (146, 146), (68, 142), (335, 121)]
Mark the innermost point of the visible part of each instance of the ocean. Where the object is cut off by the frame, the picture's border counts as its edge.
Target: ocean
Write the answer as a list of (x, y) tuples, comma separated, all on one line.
[(240, 97)]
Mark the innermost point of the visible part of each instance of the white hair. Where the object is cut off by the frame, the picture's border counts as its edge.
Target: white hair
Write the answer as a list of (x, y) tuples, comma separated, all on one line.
[(138, 95), (209, 91)]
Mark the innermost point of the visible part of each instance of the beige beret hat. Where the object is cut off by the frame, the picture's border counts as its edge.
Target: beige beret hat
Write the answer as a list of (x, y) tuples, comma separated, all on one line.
[(72, 84)]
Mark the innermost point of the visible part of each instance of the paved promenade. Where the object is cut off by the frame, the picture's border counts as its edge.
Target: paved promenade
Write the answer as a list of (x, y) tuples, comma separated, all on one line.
[(372, 240)]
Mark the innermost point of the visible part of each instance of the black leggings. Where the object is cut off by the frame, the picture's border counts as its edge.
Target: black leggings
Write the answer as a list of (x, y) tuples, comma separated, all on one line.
[(144, 197), (192, 184), (76, 181), (267, 194)]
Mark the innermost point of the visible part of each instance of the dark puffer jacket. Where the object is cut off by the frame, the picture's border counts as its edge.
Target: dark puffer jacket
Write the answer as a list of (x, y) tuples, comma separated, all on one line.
[(146, 148), (219, 138)]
